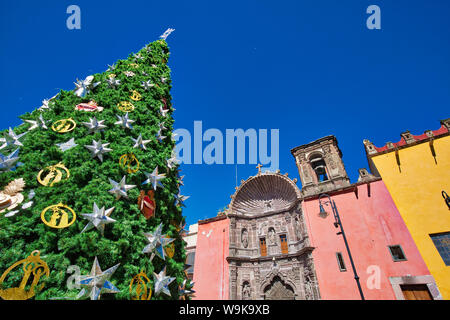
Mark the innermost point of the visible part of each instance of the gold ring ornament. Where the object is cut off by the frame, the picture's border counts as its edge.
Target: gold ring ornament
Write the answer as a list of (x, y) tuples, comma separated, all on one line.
[(34, 266), (11, 196), (53, 174), (140, 287), (59, 217), (64, 125), (129, 162), (135, 96), (125, 106)]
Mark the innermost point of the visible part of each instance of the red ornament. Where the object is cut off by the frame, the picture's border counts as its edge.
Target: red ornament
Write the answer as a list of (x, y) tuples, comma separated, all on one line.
[(147, 204), (164, 101), (91, 106)]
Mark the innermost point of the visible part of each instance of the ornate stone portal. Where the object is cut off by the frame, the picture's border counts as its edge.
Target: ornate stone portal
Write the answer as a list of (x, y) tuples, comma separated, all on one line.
[(269, 254)]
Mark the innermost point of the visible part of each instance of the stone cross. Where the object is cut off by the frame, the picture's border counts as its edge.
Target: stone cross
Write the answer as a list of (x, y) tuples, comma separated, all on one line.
[(259, 168)]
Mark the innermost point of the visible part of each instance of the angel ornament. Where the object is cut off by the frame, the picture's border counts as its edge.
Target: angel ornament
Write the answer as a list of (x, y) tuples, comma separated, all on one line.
[(84, 86)]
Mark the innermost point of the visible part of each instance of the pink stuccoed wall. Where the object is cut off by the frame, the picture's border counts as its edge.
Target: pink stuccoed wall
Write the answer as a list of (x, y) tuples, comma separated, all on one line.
[(371, 224), (211, 267)]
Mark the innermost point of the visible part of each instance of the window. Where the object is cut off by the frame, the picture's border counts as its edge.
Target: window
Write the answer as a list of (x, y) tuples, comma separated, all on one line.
[(397, 253), (262, 246), (284, 246), (190, 259), (319, 167), (442, 243), (340, 260)]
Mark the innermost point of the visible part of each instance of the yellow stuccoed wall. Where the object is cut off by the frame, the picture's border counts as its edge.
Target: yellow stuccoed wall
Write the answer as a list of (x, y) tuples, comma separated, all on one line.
[(416, 191)]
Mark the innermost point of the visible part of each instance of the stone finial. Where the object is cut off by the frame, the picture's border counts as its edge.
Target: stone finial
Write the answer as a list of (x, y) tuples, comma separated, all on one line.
[(429, 133), (369, 147), (408, 137), (446, 123), (364, 175)]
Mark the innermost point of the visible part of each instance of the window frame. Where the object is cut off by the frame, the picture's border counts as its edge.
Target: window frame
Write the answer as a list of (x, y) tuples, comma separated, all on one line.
[(344, 269), (261, 247), (285, 244), (401, 249), (434, 243)]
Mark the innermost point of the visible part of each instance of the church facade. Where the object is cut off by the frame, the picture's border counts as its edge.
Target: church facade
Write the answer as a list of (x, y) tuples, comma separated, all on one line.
[(275, 241)]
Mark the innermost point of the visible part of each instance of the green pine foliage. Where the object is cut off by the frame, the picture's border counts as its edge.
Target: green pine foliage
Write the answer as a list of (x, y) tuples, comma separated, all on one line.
[(124, 240)]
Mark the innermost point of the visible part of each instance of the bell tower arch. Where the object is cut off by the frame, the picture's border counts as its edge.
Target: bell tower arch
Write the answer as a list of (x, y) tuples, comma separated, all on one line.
[(320, 166)]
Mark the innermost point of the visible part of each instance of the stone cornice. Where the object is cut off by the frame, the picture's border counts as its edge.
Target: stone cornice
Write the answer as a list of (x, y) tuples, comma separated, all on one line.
[(408, 140), (313, 143), (217, 218), (270, 258), (350, 188)]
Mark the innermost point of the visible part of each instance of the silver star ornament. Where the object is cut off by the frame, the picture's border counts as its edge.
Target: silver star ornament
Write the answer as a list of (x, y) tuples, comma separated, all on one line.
[(11, 138), (140, 143), (162, 111), (124, 121), (7, 163), (113, 83), (98, 219), (179, 199), (157, 242), (154, 178), (98, 149), (162, 282), (120, 189), (94, 125), (97, 282), (159, 136), (184, 293), (40, 123), (147, 85), (172, 162)]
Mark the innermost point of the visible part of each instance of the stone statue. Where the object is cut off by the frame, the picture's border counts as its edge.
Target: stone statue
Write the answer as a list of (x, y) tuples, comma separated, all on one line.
[(246, 291), (245, 238), (309, 278), (272, 239)]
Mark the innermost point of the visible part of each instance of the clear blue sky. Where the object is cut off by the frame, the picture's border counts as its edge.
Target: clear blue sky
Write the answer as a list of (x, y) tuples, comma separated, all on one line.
[(307, 68)]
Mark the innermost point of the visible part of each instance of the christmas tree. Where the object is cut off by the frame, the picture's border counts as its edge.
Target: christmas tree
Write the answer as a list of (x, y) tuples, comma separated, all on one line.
[(89, 182)]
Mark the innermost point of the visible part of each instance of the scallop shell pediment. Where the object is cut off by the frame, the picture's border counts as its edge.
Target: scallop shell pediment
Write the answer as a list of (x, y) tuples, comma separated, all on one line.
[(265, 193)]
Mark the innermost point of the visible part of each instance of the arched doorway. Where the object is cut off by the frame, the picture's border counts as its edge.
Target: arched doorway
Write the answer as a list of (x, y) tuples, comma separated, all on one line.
[(278, 290)]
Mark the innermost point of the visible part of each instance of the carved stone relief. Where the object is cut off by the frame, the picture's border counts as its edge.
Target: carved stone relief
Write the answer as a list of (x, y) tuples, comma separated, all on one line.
[(278, 290), (244, 238)]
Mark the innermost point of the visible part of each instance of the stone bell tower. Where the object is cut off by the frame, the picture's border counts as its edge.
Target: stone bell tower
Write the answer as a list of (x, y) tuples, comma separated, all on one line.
[(320, 166)]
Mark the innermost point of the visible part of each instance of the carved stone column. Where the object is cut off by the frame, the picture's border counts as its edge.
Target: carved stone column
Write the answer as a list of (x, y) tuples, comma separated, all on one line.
[(233, 281)]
